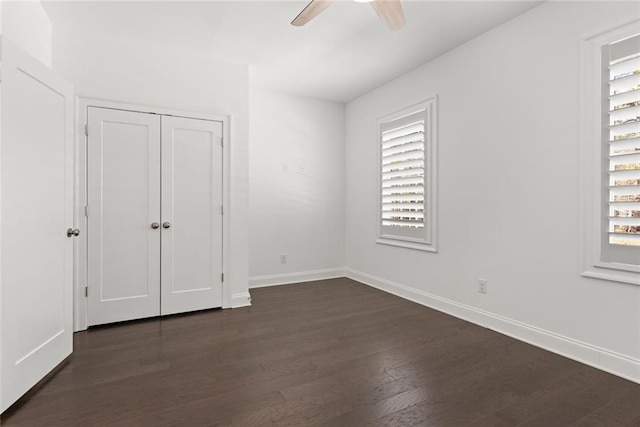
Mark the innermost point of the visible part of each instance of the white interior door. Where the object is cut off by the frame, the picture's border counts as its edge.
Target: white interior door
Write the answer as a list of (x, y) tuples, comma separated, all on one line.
[(192, 211), (36, 211), (123, 186)]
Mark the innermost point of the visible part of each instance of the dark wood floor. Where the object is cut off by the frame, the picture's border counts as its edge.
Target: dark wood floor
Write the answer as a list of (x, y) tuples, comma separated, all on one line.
[(334, 353)]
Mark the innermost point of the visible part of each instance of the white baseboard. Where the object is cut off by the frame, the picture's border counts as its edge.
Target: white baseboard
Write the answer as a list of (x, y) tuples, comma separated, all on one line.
[(240, 300), (297, 277), (606, 360)]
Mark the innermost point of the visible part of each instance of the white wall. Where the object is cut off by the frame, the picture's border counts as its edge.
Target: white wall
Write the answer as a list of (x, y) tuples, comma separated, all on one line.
[(508, 189), (26, 24), (298, 211), (134, 72)]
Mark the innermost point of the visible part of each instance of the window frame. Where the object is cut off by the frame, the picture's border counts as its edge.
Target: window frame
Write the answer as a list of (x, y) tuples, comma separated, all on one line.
[(426, 240), (593, 167)]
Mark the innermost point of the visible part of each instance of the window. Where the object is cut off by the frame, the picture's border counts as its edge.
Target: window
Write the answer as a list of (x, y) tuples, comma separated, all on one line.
[(407, 147), (622, 88), (611, 155)]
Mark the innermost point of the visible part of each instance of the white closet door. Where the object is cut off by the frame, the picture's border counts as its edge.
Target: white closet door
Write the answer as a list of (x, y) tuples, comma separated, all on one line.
[(36, 211), (123, 169), (191, 209)]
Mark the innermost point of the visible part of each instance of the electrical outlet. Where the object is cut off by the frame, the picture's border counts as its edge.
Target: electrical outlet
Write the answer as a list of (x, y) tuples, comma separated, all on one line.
[(482, 286), (285, 168), (283, 259)]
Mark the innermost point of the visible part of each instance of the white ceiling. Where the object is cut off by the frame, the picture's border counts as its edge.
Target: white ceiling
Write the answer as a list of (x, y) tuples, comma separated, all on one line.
[(343, 53)]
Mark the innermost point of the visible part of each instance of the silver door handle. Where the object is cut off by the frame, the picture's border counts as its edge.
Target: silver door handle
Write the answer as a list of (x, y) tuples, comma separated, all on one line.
[(166, 225), (73, 232), (155, 225)]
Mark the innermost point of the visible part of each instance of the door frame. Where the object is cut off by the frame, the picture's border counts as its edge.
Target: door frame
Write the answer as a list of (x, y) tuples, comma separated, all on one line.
[(80, 200)]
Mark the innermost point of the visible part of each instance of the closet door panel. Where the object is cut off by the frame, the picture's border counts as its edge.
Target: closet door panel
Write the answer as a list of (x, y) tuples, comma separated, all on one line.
[(124, 201), (191, 207)]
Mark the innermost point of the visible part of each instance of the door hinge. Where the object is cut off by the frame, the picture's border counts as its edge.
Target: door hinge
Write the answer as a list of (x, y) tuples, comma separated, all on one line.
[(86, 291), (222, 142), (86, 211), (221, 210), (86, 130), (222, 277)]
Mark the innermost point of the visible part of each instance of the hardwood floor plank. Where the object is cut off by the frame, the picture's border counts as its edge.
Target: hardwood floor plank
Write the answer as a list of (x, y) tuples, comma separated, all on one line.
[(565, 381), (315, 416), (616, 413), (585, 401), (362, 414), (204, 412), (634, 423), (326, 387), (274, 414)]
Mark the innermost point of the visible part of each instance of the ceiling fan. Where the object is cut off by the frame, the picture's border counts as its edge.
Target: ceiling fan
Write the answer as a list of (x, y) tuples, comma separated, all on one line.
[(390, 11)]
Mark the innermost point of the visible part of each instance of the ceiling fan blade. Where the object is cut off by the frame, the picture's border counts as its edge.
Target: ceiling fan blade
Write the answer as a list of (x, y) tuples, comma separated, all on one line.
[(390, 11), (313, 9)]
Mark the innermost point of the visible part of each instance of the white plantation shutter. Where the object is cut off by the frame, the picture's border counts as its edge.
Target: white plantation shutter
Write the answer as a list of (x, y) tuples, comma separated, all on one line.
[(407, 177), (621, 116), (403, 173)]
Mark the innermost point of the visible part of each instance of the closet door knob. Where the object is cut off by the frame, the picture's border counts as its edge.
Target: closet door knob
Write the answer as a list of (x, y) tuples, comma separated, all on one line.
[(166, 225), (155, 225), (71, 232)]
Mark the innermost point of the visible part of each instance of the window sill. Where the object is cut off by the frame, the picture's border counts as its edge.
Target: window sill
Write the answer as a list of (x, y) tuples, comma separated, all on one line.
[(613, 275), (419, 246)]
